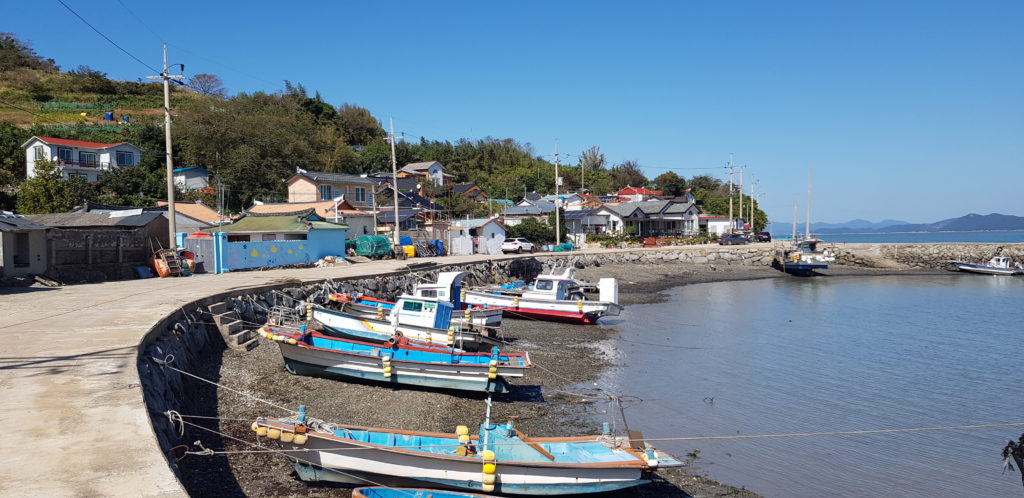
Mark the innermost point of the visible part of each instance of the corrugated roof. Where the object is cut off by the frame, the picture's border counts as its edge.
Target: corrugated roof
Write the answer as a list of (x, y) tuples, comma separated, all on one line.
[(325, 209), (577, 214), (472, 223), (319, 176), (403, 214), (78, 220), (534, 208), (10, 222), (195, 210), (291, 222), (414, 167)]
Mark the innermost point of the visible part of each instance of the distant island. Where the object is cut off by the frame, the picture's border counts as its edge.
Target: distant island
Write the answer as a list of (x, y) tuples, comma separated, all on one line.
[(968, 223)]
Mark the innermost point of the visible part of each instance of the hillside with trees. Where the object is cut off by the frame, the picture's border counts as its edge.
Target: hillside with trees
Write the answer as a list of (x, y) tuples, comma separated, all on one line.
[(252, 141)]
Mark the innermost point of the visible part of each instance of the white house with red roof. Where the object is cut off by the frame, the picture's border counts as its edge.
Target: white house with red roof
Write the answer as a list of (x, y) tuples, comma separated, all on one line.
[(77, 158), (636, 194)]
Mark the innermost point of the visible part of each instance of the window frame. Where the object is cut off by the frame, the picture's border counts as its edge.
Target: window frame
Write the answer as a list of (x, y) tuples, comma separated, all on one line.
[(328, 189), (126, 153)]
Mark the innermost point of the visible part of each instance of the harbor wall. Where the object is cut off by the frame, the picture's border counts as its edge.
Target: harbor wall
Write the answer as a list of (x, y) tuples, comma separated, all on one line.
[(189, 339)]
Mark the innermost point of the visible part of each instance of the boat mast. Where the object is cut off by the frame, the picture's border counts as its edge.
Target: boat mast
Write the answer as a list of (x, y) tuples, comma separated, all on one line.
[(794, 218), (807, 225)]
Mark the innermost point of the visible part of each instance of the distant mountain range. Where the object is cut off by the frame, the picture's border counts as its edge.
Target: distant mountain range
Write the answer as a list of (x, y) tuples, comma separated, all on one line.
[(969, 223)]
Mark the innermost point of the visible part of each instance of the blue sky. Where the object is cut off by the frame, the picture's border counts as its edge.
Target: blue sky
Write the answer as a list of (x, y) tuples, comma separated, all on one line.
[(906, 110)]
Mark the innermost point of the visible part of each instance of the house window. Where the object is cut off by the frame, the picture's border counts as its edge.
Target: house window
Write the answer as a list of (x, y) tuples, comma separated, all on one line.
[(89, 158), (38, 152), (125, 158), (64, 155), (72, 174), (360, 194), (325, 192)]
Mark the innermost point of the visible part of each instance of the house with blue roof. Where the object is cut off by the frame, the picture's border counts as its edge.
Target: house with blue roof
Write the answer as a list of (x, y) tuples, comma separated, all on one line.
[(192, 178)]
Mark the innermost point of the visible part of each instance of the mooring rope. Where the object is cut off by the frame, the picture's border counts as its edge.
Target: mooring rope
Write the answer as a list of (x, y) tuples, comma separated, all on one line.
[(165, 363)]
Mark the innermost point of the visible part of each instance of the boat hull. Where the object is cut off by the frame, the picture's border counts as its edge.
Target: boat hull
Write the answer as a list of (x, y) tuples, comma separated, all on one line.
[(985, 269), (346, 325), (347, 476), (300, 360), (580, 311), (799, 269)]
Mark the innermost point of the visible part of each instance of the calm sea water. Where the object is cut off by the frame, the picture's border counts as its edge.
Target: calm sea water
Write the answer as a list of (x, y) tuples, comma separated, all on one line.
[(823, 354), (1012, 236)]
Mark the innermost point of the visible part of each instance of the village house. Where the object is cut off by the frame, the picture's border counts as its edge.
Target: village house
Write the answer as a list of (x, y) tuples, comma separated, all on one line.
[(102, 246), (483, 228), (192, 178), (24, 248), (538, 210), (182, 221), (77, 158), (470, 191), (337, 211), (647, 219), (197, 211), (312, 186), (636, 194), (429, 171)]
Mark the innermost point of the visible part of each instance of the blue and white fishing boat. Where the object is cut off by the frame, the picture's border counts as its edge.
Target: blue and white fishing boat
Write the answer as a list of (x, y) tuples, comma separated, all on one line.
[(498, 459), (397, 361), (341, 324), (999, 265), (383, 492), (414, 310)]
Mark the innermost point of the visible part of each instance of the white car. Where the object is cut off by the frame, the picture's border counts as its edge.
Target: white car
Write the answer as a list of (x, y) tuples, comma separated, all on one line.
[(516, 245)]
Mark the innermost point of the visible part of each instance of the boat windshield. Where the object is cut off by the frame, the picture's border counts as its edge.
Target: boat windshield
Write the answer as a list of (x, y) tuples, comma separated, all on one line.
[(544, 285)]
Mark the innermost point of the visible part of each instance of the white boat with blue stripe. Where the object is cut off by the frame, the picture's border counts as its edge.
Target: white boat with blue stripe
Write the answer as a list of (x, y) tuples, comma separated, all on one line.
[(499, 459)]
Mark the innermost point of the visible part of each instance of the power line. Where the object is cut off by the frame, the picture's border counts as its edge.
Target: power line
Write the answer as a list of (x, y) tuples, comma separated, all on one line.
[(105, 37), (137, 18)]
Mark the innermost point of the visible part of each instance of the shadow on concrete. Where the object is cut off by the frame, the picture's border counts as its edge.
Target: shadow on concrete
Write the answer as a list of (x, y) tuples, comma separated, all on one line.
[(203, 475), (23, 290), (51, 362)]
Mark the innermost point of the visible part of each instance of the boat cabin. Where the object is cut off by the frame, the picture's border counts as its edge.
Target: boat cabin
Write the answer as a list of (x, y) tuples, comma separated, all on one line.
[(424, 312), (448, 288)]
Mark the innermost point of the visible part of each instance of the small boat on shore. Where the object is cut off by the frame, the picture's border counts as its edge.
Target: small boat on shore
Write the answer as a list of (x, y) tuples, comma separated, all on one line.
[(384, 492), (556, 298), (498, 459), (396, 361), (999, 265), (803, 259), (345, 325), (413, 310)]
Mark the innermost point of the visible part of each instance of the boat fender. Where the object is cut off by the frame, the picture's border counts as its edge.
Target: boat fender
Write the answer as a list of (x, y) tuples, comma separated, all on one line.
[(466, 315), (652, 459), (255, 427), (274, 433), (309, 313), (262, 431), (287, 437), (515, 302), (462, 430), (489, 467), (579, 305), (292, 342), (300, 439), (380, 313)]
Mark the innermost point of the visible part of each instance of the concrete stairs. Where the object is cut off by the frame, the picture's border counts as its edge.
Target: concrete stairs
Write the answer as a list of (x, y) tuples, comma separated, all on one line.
[(232, 328)]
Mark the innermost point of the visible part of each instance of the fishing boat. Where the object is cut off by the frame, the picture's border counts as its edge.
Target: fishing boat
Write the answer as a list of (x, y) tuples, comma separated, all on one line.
[(413, 310), (803, 259), (999, 265), (498, 459), (551, 297), (345, 325), (396, 361), (384, 492)]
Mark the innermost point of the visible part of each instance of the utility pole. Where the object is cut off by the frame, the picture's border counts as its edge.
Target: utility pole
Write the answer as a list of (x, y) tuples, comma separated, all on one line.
[(558, 180), (167, 138), (742, 215), (753, 196), (732, 223), (394, 178)]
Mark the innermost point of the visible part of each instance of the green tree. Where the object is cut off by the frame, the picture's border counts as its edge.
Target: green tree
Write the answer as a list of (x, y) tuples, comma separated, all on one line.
[(48, 192), (17, 54), (534, 231), (207, 84), (358, 126), (627, 174), (670, 183)]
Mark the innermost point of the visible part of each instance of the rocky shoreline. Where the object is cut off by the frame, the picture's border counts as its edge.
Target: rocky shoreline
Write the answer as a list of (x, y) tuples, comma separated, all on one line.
[(545, 403)]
